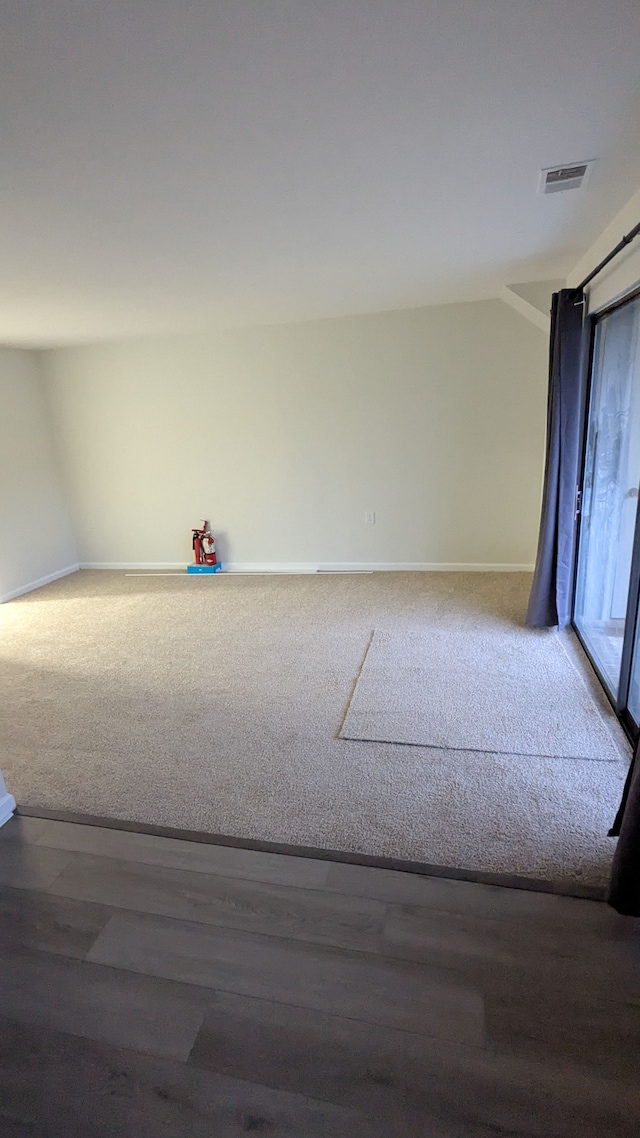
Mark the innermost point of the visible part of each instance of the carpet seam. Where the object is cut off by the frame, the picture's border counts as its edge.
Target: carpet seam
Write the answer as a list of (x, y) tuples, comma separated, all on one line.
[(578, 672), (474, 750), (620, 756), (339, 734)]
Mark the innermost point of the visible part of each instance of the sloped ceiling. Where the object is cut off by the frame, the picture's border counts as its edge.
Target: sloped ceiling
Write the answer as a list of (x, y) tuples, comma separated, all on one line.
[(167, 166)]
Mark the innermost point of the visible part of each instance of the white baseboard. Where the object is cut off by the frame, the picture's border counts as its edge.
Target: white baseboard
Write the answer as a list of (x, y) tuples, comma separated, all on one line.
[(419, 567), (133, 565), (7, 807), (318, 567), (372, 567), (40, 581), (272, 567)]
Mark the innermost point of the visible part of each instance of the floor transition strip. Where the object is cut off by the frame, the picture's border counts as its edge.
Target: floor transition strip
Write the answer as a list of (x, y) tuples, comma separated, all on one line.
[(348, 857)]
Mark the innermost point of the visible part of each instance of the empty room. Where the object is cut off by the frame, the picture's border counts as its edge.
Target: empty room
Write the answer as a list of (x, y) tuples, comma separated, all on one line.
[(320, 567)]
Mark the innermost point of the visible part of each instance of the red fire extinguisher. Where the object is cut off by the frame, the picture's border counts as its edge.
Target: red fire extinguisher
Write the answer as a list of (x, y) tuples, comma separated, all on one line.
[(204, 548)]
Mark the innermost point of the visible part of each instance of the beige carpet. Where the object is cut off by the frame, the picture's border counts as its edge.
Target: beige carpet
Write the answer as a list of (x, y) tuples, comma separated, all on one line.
[(507, 690), (215, 704)]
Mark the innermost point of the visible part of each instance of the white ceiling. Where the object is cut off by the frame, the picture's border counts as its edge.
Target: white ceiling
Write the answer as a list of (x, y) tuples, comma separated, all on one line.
[(168, 165)]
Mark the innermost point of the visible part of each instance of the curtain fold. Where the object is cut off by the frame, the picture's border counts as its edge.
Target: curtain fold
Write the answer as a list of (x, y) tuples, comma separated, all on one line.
[(551, 591), (624, 886)]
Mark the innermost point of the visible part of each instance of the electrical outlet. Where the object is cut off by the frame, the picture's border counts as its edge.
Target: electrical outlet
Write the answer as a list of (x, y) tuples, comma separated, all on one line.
[(369, 517)]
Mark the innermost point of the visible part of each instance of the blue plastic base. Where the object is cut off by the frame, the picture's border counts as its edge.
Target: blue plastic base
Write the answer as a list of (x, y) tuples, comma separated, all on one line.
[(204, 568)]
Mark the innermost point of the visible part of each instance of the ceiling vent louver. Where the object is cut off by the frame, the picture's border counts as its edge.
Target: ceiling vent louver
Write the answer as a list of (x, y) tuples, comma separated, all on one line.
[(557, 178)]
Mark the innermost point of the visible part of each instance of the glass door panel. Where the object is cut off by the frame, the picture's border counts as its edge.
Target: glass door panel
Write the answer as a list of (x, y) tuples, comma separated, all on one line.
[(610, 491)]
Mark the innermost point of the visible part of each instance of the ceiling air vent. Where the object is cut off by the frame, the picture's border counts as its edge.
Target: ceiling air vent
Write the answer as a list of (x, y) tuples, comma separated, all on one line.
[(558, 178)]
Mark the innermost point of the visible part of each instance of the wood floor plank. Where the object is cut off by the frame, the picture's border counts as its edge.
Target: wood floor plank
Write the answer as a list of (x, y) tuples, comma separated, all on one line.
[(118, 1007), (197, 857), (294, 972), (595, 1033), (50, 924), (29, 866), (53, 1085), (19, 829), (593, 950), (399, 1076), (549, 990), (305, 914)]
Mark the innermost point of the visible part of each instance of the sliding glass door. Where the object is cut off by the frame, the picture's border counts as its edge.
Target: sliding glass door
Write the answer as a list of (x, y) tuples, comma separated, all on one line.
[(607, 580)]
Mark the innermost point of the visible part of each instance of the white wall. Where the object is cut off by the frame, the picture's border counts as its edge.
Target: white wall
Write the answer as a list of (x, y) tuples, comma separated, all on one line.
[(623, 274), (36, 538), (284, 436)]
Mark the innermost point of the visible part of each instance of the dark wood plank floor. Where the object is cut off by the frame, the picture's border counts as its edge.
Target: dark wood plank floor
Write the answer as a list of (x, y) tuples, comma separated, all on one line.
[(157, 987)]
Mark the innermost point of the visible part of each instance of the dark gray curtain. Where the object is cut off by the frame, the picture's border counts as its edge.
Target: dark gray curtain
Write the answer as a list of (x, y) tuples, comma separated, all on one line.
[(624, 888), (550, 599)]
